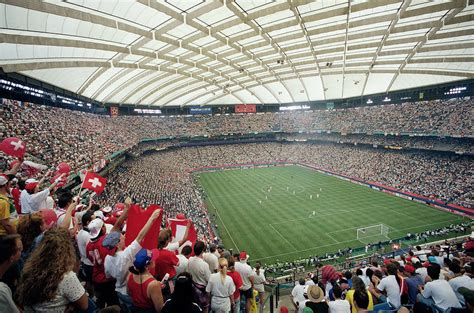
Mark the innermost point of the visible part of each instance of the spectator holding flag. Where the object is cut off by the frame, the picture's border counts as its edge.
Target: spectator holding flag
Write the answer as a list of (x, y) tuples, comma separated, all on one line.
[(117, 266), (31, 199)]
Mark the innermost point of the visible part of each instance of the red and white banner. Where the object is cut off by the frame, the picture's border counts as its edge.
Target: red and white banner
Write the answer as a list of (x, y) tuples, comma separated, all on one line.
[(137, 218), (178, 229), (94, 182)]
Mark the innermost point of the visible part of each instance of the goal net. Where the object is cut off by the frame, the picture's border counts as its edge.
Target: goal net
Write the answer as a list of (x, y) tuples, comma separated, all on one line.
[(373, 234)]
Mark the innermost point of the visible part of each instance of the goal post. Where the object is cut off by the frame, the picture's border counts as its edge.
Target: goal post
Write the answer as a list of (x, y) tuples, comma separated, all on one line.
[(373, 233)]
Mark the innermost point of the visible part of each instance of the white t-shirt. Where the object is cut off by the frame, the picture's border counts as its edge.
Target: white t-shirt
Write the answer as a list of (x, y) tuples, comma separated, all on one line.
[(298, 294), (83, 238), (339, 306), (212, 260), (220, 293), (182, 265), (31, 203), (116, 266), (259, 280), (172, 246), (69, 290), (6, 300), (461, 281), (245, 272), (442, 293), (390, 285), (199, 270)]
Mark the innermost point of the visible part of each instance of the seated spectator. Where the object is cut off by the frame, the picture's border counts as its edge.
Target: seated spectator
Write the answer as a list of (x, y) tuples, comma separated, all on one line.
[(460, 280), (437, 293), (413, 280), (358, 285), (183, 296), (338, 305), (117, 266), (468, 295), (11, 247), (361, 301), (47, 288), (316, 301), (391, 286), (143, 288), (221, 289)]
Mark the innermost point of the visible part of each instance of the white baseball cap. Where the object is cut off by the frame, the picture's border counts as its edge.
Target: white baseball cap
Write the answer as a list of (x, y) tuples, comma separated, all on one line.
[(95, 227)]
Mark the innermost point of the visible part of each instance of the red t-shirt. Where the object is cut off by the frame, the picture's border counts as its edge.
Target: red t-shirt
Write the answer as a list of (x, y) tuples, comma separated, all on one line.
[(16, 199), (110, 220), (96, 253), (165, 261), (237, 279)]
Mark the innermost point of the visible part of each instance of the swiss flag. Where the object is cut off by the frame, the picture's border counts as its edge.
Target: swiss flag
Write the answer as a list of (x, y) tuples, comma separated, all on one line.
[(94, 182), (137, 218), (178, 228), (13, 146)]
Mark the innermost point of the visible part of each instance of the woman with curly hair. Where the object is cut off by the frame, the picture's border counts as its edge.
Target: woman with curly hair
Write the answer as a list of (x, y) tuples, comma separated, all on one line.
[(49, 283)]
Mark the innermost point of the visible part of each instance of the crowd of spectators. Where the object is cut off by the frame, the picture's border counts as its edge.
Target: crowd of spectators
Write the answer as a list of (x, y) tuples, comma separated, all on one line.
[(55, 134), (438, 278)]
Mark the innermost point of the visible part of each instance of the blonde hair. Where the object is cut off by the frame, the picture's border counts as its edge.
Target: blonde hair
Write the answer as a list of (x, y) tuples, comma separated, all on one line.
[(223, 269)]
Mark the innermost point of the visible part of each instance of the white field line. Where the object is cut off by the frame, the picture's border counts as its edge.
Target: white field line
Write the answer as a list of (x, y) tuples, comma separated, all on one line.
[(223, 224), (346, 241), (283, 237)]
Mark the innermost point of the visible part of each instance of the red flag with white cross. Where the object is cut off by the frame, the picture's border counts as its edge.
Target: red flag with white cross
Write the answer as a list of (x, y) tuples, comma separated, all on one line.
[(94, 182), (13, 146)]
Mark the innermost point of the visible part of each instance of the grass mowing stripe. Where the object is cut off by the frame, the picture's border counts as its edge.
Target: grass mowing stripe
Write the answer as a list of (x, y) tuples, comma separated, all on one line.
[(249, 216)]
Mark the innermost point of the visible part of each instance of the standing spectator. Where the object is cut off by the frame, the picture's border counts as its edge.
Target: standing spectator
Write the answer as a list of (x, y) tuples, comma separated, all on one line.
[(117, 266), (211, 259), (200, 273), (31, 199), (221, 289), (96, 252), (247, 275), (338, 305), (11, 247), (237, 282), (182, 297), (437, 292), (47, 288), (297, 295), (143, 288), (259, 281), (7, 209), (183, 259), (165, 260), (83, 238), (316, 300)]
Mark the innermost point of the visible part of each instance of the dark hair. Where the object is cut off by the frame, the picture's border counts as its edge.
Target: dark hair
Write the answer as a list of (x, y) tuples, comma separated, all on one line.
[(392, 269), (86, 218), (433, 271), (358, 272), (236, 256), (64, 199), (212, 248), (95, 207), (455, 268), (183, 295), (8, 246), (187, 250), (337, 291), (348, 275), (420, 307), (301, 281), (369, 273), (21, 184), (199, 247), (361, 299)]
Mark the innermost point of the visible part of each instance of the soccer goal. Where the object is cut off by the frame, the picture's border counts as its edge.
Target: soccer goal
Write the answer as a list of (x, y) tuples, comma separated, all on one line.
[(373, 234)]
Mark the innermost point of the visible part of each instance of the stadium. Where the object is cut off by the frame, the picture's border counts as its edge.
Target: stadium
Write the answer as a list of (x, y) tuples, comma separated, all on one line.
[(236, 156)]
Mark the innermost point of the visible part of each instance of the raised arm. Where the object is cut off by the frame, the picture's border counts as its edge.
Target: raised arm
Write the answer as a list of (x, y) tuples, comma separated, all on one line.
[(68, 215), (186, 233), (148, 225), (123, 217)]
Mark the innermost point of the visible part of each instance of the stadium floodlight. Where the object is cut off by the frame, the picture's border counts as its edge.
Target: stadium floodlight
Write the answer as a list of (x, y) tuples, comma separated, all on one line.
[(373, 233)]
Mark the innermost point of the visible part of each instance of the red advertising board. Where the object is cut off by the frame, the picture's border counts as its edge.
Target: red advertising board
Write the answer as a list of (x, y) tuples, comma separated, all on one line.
[(245, 108), (114, 111)]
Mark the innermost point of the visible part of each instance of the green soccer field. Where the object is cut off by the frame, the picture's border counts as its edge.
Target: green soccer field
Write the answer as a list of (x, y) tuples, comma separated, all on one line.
[(269, 212)]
